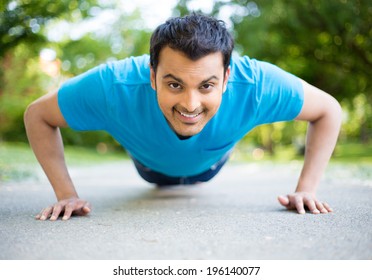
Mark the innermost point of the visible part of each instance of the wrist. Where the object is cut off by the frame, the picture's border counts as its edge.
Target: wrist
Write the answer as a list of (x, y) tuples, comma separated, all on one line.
[(306, 187), (66, 195)]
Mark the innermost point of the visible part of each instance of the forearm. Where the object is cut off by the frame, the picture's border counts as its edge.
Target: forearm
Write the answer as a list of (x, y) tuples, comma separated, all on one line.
[(46, 142), (321, 140)]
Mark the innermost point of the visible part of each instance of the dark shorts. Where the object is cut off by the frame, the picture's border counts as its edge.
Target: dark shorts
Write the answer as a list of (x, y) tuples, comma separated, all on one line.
[(165, 180)]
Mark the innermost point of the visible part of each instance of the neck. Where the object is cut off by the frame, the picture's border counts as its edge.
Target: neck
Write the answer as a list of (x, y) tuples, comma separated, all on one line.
[(181, 137)]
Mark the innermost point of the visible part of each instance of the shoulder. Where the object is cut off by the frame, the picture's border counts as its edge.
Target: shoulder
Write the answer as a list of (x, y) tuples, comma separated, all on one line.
[(248, 70), (131, 70), (242, 70)]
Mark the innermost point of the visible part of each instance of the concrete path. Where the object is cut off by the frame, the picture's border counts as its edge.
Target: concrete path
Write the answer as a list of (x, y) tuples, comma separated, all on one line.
[(235, 216)]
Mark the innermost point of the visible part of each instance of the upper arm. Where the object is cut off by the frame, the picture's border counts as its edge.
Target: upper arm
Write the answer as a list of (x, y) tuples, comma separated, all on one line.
[(46, 109), (83, 99), (279, 94), (317, 104)]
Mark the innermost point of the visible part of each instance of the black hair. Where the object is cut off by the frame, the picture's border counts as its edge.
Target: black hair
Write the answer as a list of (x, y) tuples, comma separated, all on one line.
[(195, 35)]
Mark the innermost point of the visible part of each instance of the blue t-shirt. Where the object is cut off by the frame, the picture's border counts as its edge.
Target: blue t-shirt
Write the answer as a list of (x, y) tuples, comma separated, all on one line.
[(117, 97)]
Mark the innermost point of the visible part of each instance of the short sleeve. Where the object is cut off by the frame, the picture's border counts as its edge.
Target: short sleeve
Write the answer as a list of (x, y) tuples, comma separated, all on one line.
[(82, 99), (279, 93)]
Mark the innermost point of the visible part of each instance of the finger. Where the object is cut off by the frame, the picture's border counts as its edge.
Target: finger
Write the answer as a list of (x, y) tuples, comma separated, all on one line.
[(283, 200), (82, 208), (321, 207), (38, 216), (326, 206), (56, 211), (45, 213), (68, 211), (299, 205), (87, 208), (310, 203)]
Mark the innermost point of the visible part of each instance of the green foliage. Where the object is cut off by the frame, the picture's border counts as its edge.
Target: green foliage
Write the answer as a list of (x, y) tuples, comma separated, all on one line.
[(358, 118), (21, 38), (25, 76), (327, 43), (21, 85), (123, 40), (22, 21)]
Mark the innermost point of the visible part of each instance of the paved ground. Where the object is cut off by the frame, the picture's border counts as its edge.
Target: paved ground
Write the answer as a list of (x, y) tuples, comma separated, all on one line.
[(235, 216)]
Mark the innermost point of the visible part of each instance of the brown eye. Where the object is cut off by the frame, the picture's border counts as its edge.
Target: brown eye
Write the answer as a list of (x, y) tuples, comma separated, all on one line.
[(206, 87), (174, 85)]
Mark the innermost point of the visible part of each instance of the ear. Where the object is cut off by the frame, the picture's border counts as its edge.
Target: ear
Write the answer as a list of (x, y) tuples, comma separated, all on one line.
[(226, 78), (152, 78)]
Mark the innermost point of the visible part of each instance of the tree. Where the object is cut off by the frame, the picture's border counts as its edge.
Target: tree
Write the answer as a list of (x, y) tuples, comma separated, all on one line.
[(327, 43), (25, 75), (22, 21)]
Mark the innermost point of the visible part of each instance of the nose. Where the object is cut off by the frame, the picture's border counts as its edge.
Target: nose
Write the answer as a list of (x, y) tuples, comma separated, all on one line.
[(191, 101)]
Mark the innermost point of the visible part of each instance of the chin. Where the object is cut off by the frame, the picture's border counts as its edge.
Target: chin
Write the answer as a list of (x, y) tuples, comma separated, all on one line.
[(186, 133), (185, 130)]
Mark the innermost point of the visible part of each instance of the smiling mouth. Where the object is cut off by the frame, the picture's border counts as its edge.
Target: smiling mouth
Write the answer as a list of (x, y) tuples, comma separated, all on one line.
[(189, 118)]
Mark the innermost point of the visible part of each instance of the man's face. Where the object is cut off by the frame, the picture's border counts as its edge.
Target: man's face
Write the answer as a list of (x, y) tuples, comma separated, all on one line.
[(189, 92)]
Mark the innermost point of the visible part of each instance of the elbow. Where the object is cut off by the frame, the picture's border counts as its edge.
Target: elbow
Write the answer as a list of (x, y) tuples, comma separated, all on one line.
[(30, 115), (337, 111), (333, 115), (43, 112), (27, 115)]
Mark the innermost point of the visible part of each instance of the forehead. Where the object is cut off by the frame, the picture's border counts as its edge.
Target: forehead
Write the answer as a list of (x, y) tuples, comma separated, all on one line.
[(176, 62)]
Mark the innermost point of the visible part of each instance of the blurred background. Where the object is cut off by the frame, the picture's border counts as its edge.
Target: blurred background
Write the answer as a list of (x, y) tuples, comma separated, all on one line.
[(327, 43)]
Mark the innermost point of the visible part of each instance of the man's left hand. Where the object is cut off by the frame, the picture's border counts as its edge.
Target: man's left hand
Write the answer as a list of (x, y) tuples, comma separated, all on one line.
[(300, 200)]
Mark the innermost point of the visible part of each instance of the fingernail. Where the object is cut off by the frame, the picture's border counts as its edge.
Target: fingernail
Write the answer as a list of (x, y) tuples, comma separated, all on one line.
[(302, 212), (316, 211), (42, 217), (64, 218)]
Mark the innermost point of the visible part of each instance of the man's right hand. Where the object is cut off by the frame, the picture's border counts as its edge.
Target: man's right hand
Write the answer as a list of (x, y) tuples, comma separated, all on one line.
[(65, 207), (43, 118)]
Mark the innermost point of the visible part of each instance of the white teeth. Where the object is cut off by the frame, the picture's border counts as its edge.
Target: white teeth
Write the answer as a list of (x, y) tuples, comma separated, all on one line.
[(189, 116)]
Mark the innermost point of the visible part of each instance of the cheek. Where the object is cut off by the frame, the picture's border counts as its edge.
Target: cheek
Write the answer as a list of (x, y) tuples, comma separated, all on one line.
[(214, 103), (165, 101)]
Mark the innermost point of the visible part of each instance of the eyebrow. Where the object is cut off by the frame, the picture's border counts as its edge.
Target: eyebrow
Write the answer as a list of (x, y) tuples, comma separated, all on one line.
[(181, 81)]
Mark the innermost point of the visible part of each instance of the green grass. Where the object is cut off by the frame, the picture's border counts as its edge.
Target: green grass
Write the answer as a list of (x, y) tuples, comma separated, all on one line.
[(17, 161), (349, 160), (352, 160), (354, 153)]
